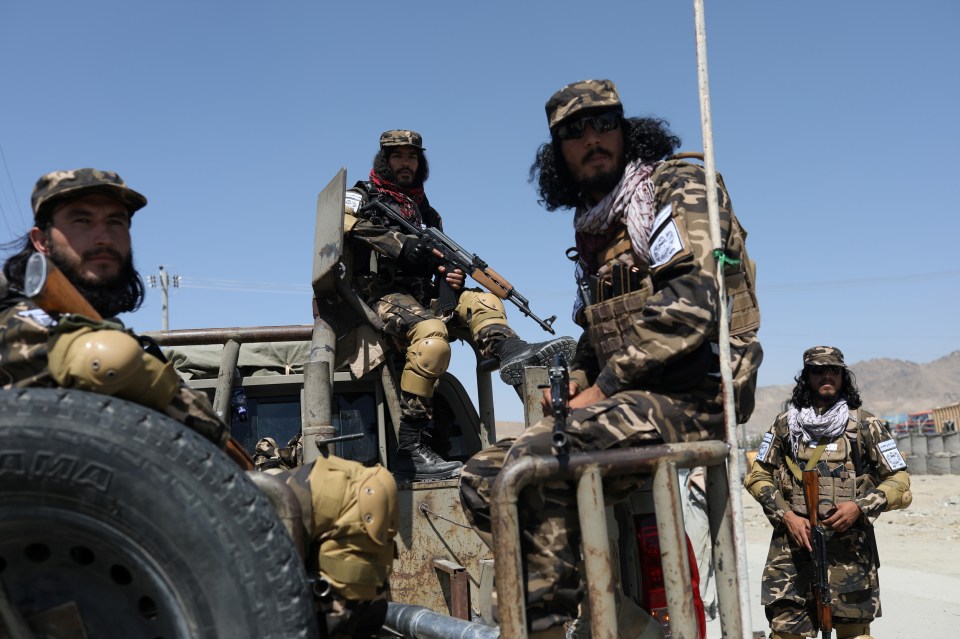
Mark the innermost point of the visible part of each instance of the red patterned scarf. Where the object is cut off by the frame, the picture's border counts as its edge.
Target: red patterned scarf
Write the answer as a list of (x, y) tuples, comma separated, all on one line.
[(404, 197)]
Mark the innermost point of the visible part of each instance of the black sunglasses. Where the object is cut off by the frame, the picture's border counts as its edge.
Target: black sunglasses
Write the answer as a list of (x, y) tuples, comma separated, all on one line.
[(607, 121)]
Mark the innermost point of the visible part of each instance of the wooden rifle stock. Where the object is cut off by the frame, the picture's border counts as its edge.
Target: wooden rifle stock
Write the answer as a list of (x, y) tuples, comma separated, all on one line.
[(821, 586), (50, 289)]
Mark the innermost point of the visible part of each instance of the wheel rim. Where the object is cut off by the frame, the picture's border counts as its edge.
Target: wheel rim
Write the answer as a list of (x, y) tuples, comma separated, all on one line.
[(51, 556)]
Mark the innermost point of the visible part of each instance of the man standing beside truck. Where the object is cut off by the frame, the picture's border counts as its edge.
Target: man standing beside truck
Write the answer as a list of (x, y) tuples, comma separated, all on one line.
[(646, 369), (858, 473), (400, 277)]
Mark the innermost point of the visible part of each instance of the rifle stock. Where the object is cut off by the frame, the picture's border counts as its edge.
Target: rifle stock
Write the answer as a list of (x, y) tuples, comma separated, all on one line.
[(50, 289), (821, 588)]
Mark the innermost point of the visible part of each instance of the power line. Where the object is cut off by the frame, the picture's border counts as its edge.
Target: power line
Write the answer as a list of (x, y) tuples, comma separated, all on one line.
[(16, 200)]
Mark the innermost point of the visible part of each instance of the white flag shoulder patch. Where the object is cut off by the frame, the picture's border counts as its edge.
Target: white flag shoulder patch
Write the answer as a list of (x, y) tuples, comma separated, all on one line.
[(665, 244)]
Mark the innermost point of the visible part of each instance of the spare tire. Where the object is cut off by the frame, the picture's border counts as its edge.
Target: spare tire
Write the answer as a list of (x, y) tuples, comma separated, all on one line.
[(137, 527)]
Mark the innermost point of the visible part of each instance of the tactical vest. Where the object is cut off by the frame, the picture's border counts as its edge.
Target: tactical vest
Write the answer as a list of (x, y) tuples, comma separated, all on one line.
[(617, 298), (836, 464), (373, 273)]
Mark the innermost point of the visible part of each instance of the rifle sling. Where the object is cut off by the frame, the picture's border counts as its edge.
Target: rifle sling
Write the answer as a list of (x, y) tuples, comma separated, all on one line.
[(811, 463)]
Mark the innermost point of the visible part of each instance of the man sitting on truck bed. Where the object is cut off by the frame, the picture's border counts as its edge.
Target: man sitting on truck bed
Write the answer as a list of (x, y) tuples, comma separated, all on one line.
[(646, 369), (397, 275)]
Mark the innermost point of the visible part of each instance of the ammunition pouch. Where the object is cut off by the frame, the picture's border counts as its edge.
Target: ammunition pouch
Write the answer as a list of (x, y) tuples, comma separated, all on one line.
[(609, 322)]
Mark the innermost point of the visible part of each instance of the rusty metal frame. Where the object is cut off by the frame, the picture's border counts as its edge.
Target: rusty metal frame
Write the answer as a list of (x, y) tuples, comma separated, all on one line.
[(587, 469), (459, 587)]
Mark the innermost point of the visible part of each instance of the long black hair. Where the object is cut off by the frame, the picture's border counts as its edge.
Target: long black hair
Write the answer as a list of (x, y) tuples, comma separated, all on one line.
[(803, 394), (646, 139), (382, 167)]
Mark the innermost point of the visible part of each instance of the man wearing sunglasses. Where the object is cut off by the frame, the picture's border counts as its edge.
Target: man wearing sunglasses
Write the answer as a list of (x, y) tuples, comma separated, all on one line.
[(399, 276), (860, 474), (646, 369)]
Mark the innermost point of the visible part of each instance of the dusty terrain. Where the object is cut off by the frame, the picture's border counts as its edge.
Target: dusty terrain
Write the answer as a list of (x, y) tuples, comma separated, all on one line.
[(920, 557)]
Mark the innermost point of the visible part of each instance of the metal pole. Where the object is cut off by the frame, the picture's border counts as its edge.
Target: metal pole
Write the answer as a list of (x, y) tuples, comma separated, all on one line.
[(165, 307), (734, 455), (596, 555), (673, 551)]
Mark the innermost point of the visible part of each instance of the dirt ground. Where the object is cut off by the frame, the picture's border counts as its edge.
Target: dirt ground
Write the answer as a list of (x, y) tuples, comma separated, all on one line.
[(920, 563)]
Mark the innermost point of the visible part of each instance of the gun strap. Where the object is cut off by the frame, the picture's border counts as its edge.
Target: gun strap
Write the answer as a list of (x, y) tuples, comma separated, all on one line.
[(811, 463)]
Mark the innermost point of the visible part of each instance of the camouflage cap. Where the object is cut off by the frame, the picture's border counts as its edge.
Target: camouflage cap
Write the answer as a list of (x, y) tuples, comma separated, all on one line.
[(57, 185), (823, 356), (575, 97), (401, 137)]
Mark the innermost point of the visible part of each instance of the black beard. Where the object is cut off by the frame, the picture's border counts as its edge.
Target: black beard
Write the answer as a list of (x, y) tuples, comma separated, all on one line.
[(120, 294), (601, 182)]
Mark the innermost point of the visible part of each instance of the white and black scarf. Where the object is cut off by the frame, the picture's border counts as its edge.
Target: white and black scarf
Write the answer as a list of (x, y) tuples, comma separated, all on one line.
[(806, 426)]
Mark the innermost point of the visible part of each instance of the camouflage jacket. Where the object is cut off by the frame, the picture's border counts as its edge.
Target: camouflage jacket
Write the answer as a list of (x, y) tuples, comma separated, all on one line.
[(879, 481), (653, 339), (25, 332), (377, 246)]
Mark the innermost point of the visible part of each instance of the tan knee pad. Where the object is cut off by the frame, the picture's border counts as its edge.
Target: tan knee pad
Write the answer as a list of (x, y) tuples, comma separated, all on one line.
[(355, 518), (479, 310), (428, 356), (852, 630), (111, 362), (785, 635)]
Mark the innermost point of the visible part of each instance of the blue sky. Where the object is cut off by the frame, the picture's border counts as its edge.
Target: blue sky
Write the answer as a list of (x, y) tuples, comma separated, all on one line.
[(835, 130)]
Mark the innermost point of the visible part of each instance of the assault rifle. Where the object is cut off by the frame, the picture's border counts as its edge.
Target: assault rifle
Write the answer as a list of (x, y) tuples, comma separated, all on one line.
[(454, 257), (821, 587), (49, 288), (559, 378)]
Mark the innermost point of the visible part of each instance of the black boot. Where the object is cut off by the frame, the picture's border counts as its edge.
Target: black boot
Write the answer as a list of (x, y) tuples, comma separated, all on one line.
[(416, 461), (514, 354)]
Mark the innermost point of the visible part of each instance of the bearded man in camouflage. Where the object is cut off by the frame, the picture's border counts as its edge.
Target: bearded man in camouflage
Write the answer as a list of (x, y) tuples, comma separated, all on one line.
[(646, 369), (82, 224), (399, 277), (861, 474)]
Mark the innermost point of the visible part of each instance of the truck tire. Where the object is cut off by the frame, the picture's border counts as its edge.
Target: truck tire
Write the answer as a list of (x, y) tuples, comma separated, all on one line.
[(121, 517)]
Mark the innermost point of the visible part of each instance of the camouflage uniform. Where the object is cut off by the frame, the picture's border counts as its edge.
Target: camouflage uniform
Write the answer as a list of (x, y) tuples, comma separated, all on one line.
[(865, 467), (652, 352), (28, 333), (398, 280)]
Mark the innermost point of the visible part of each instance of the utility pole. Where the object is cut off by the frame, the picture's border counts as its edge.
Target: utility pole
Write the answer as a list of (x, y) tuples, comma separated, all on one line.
[(165, 281)]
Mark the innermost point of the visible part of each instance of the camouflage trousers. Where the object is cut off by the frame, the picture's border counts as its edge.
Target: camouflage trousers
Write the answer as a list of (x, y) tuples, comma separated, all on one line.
[(550, 529), (192, 409), (787, 585), (400, 312)]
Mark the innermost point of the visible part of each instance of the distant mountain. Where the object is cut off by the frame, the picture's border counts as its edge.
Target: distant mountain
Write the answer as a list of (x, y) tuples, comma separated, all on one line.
[(887, 386)]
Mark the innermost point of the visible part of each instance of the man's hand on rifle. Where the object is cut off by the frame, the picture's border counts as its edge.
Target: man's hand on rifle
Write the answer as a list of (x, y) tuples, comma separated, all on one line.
[(546, 402), (843, 516), (585, 398), (799, 529), (455, 278)]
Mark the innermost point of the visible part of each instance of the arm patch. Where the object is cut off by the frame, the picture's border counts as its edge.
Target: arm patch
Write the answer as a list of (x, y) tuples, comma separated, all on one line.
[(891, 454), (353, 201), (765, 448)]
